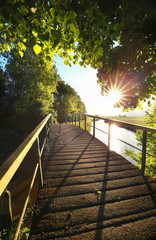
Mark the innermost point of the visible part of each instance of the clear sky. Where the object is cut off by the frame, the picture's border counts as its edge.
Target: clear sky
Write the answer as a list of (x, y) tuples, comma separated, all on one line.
[(84, 81)]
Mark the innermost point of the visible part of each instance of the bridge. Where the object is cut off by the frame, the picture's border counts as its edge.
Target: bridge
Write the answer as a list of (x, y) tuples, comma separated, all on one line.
[(86, 190)]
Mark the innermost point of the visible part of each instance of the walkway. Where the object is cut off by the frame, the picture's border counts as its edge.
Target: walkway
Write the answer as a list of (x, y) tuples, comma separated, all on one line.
[(91, 194)]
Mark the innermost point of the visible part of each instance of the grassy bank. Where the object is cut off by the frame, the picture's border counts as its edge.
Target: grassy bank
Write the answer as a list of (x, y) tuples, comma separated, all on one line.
[(82, 124), (134, 120)]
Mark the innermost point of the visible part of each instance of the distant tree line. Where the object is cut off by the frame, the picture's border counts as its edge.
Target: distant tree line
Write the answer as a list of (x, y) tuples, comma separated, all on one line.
[(30, 88)]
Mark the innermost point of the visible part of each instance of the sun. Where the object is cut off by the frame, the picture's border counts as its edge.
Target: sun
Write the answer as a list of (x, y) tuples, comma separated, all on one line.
[(114, 96)]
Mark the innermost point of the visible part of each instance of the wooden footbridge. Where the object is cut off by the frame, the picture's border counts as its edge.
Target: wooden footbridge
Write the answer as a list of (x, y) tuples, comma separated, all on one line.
[(88, 191)]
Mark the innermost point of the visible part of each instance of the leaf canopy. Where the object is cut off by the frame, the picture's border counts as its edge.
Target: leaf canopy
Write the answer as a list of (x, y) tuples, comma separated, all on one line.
[(90, 30)]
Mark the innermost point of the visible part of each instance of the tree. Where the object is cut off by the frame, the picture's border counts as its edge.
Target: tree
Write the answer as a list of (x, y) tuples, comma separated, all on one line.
[(32, 84), (3, 83), (151, 142), (67, 102), (89, 29), (27, 90)]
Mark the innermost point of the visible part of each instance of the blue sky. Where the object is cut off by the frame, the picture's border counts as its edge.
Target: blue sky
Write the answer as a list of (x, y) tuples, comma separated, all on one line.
[(84, 81)]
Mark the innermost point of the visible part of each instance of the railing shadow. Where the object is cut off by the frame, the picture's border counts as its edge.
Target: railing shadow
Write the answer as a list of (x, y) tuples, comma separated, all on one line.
[(101, 212), (148, 185), (62, 183)]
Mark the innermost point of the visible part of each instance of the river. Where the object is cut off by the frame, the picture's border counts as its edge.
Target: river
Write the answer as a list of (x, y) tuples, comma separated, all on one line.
[(116, 132)]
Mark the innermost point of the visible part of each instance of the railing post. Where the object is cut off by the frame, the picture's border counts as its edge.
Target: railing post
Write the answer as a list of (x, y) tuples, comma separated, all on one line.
[(79, 120), (40, 165), (75, 119), (109, 135), (85, 122), (143, 160), (72, 119), (94, 126), (6, 210), (51, 120), (47, 133)]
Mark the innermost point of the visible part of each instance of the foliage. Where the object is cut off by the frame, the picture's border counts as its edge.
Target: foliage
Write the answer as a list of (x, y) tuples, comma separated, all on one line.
[(86, 31), (67, 102), (82, 122), (130, 66), (28, 86), (151, 143), (32, 83)]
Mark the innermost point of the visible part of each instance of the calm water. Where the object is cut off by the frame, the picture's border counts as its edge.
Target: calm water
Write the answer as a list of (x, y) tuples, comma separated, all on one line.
[(116, 132)]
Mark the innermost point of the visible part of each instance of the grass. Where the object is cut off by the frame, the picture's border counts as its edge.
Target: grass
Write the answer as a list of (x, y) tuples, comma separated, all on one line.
[(134, 120), (82, 124)]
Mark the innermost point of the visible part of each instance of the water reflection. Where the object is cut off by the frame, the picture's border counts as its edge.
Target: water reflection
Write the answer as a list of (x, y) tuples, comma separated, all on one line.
[(116, 132)]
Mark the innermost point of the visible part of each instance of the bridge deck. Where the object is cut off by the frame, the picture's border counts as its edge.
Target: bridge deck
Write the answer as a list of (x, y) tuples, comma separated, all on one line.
[(90, 194)]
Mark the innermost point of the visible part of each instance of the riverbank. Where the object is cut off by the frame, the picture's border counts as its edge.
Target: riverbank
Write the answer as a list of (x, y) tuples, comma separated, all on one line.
[(134, 120)]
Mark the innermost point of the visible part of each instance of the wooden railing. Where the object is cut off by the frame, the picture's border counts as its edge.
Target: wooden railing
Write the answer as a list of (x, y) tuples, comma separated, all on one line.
[(11, 165), (74, 118)]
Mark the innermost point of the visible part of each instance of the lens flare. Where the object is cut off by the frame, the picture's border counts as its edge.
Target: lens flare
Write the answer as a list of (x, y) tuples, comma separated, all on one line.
[(114, 96)]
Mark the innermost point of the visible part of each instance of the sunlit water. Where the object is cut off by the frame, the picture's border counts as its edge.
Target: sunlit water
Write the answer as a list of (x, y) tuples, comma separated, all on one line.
[(116, 132)]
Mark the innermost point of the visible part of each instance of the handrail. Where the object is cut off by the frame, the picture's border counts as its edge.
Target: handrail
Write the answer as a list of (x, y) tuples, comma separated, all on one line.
[(121, 124), (11, 165)]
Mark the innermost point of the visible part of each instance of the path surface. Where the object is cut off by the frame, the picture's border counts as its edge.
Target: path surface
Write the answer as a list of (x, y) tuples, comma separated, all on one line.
[(90, 194)]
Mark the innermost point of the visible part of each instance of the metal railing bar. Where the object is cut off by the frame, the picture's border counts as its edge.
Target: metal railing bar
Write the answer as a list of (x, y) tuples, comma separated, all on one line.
[(43, 145), (124, 124), (101, 130), (150, 155), (10, 166), (121, 123), (127, 143), (120, 140), (26, 203)]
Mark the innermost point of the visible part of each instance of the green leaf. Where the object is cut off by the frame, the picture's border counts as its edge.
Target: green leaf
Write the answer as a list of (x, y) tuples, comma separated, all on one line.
[(22, 46), (112, 37), (52, 11), (60, 53), (99, 65), (115, 27), (34, 33), (73, 28), (48, 58), (21, 53), (59, 19), (72, 15), (44, 23), (70, 57), (37, 48), (23, 10), (81, 63), (66, 62), (5, 36)]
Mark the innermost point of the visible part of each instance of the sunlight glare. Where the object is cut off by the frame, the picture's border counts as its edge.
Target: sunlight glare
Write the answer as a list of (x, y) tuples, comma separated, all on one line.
[(114, 96)]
